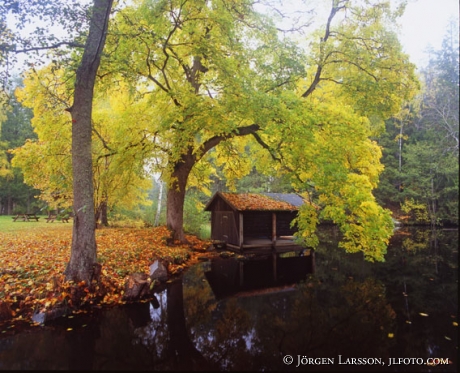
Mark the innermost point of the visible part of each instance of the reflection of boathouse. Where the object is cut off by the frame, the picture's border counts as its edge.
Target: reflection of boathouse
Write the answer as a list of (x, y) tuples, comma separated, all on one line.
[(255, 222), (232, 276)]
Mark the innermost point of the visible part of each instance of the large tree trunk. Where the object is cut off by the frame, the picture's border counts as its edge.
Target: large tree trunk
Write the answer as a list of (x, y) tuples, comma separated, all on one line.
[(83, 252), (176, 197)]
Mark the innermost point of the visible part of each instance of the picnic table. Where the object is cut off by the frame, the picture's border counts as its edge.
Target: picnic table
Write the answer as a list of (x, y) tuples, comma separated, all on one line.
[(26, 217), (52, 217)]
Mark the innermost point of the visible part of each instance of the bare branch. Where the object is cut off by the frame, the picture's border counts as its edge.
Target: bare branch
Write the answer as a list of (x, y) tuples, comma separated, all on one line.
[(266, 147), (324, 39), (48, 47)]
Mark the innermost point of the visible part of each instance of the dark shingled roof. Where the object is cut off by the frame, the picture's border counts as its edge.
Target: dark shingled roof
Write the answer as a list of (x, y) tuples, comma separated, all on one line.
[(291, 198)]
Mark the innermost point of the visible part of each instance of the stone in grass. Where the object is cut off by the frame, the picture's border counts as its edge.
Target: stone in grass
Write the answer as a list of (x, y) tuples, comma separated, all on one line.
[(158, 271)]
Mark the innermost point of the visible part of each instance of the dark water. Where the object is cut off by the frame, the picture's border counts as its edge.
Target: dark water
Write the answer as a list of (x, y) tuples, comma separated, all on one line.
[(393, 316)]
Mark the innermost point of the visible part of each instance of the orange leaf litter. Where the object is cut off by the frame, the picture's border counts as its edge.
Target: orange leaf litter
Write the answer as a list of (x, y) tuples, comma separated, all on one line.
[(32, 265)]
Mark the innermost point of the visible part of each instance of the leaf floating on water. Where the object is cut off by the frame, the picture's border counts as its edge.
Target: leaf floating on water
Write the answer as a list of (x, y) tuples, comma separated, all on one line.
[(423, 314), (69, 329), (454, 323), (446, 337), (408, 322), (390, 335)]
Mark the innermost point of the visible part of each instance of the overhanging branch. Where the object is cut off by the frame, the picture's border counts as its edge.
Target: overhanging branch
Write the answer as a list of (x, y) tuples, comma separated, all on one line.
[(240, 131)]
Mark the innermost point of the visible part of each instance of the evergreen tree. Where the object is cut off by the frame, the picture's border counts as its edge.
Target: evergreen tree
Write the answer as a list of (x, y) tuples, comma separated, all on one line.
[(422, 175), (15, 196)]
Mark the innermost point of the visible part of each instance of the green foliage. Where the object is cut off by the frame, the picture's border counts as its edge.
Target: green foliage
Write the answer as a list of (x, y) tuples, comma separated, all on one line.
[(417, 211), (15, 196), (196, 220), (431, 177), (306, 222)]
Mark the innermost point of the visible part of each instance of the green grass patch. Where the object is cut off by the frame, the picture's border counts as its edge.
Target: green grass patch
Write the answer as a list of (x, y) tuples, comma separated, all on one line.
[(8, 225), (205, 232)]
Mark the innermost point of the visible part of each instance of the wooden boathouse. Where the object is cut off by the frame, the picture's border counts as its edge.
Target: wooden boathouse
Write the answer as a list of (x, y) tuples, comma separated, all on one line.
[(258, 224), (255, 222)]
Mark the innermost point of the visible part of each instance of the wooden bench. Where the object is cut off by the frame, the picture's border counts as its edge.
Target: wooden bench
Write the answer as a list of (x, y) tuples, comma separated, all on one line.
[(26, 217)]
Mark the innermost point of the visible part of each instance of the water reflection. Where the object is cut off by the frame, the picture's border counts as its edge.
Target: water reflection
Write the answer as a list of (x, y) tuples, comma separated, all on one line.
[(317, 320), (403, 308), (229, 277)]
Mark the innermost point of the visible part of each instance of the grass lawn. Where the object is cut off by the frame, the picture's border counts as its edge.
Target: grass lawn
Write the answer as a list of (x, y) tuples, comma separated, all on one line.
[(8, 225)]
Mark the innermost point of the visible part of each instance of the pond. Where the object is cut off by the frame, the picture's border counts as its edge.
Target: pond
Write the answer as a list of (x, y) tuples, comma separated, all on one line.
[(350, 315)]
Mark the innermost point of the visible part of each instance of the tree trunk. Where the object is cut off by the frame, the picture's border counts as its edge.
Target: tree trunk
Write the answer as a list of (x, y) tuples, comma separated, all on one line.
[(400, 139), (83, 252), (104, 214), (175, 210), (101, 213), (160, 196), (176, 197), (10, 205)]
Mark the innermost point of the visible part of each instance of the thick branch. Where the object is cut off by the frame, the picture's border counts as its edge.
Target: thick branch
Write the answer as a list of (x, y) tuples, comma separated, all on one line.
[(216, 140)]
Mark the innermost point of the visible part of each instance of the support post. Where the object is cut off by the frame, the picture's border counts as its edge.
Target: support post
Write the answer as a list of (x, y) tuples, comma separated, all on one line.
[(313, 261), (273, 227), (241, 230)]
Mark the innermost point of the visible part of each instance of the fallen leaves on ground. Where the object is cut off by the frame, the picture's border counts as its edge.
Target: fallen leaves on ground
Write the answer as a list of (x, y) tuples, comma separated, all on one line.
[(32, 266)]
